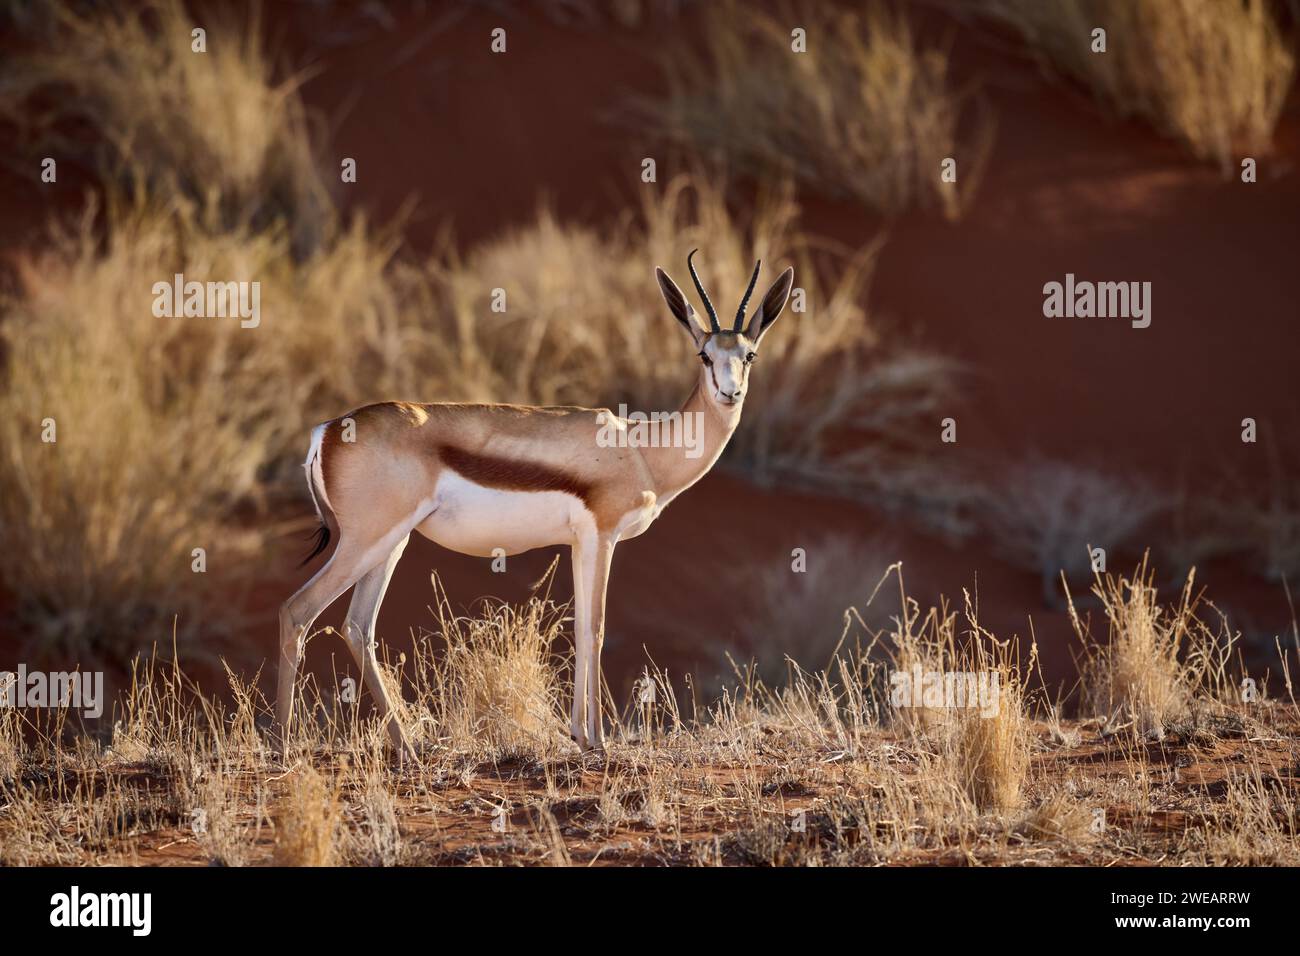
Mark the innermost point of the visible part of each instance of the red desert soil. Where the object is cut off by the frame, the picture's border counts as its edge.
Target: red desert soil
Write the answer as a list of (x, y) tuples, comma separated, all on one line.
[(427, 110), (451, 820)]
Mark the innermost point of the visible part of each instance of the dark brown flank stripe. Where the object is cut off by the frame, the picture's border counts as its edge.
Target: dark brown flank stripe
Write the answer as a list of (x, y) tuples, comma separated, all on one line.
[(511, 475)]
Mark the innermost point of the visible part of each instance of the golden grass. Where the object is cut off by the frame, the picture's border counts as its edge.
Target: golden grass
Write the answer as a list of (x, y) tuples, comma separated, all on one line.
[(867, 112), (496, 681), (1214, 75), (167, 428), (100, 524), (214, 127), (803, 774), (988, 752), (1157, 659), (307, 820)]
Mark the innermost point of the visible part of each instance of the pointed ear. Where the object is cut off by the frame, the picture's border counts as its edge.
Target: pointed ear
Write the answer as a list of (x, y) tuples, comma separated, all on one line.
[(679, 307), (771, 305)]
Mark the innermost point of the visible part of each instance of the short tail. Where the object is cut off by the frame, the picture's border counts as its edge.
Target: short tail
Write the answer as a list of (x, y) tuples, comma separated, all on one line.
[(316, 488), (322, 536)]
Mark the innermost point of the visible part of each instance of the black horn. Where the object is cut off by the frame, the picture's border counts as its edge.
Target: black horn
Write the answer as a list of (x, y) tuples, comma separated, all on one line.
[(740, 313), (704, 296)]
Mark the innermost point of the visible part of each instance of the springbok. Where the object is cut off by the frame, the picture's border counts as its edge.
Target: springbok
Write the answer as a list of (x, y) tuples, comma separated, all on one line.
[(477, 478)]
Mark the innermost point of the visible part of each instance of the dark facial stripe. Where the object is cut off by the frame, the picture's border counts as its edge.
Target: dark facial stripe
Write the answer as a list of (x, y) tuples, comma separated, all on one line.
[(510, 475)]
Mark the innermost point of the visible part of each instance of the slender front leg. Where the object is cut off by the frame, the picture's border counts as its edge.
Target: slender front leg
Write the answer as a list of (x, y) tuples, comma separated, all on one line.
[(604, 555), (582, 555)]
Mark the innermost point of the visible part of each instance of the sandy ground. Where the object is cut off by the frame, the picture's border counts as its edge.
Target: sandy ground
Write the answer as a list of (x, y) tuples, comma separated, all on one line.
[(1142, 805)]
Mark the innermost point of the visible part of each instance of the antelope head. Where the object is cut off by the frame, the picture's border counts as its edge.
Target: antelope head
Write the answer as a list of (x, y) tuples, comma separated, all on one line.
[(726, 355)]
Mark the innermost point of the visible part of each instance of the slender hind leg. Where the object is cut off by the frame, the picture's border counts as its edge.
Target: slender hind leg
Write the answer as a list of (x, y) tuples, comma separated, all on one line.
[(581, 632), (344, 568), (359, 629)]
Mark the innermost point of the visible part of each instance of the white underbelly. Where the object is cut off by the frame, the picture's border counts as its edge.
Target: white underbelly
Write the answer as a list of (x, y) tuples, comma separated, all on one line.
[(474, 519)]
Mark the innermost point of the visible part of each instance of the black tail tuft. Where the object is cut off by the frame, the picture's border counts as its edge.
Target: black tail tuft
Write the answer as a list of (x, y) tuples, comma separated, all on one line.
[(322, 536)]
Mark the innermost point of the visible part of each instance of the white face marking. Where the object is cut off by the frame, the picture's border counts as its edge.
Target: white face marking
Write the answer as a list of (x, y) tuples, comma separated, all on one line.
[(474, 519), (726, 367)]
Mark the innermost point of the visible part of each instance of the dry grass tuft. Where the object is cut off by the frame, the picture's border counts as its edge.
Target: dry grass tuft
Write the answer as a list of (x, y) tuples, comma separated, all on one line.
[(1060, 816), (866, 112), (989, 745), (307, 820), (1214, 75), (967, 696), (496, 686), (1157, 658)]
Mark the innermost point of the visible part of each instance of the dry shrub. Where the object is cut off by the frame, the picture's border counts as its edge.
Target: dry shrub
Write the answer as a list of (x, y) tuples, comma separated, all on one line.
[(1045, 515), (150, 457), (1157, 658), (210, 127), (1212, 74), (496, 685), (214, 821), (800, 615), (167, 428), (867, 112), (1259, 520), (307, 820)]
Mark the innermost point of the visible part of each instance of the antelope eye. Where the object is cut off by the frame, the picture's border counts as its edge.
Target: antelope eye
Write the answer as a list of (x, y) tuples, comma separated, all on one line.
[(707, 361), (750, 357)]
